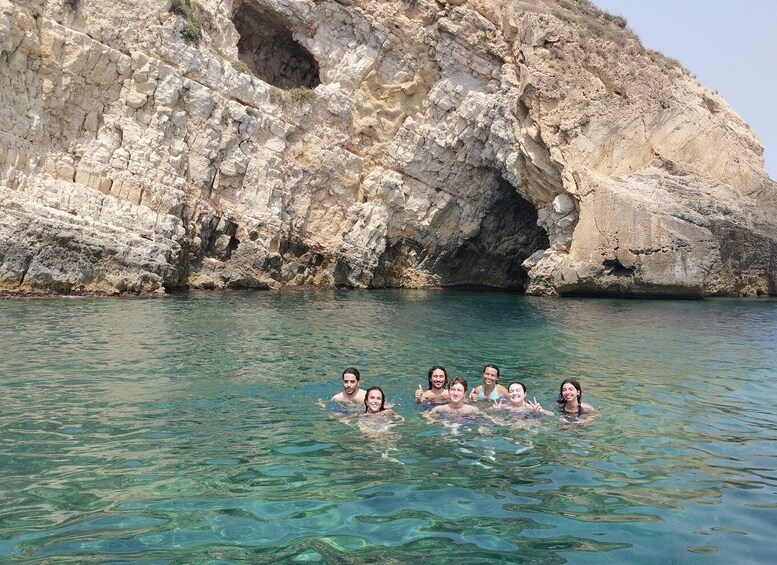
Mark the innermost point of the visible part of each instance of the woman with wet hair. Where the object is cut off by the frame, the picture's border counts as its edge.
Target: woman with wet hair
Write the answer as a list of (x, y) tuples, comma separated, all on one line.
[(517, 403), (490, 389), (377, 417), (570, 399), (374, 401)]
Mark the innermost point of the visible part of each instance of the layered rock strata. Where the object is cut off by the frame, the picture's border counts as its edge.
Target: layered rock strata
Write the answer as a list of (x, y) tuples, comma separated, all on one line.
[(537, 146)]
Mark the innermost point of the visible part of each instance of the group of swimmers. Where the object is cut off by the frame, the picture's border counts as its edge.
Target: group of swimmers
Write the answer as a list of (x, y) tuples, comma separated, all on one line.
[(451, 398)]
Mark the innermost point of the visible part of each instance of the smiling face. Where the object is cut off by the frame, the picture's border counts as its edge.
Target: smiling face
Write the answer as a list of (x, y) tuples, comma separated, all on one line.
[(350, 384), (490, 376), (457, 393), (374, 401), (516, 393), (438, 378), (569, 393)]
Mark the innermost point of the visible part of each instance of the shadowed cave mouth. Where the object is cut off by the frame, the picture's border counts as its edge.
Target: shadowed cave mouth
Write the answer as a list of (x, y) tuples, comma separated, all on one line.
[(614, 267), (508, 235), (266, 46)]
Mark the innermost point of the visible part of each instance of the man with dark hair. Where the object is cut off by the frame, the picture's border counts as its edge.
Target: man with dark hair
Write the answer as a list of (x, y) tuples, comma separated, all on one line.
[(352, 395)]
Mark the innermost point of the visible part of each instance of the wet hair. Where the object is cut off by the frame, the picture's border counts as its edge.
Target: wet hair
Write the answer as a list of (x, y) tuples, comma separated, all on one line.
[(492, 366), (352, 371), (432, 370), (382, 398), (523, 386), (574, 383), (458, 381)]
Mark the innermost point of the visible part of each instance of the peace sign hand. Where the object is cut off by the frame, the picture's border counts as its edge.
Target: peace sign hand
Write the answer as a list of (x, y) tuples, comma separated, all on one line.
[(534, 405)]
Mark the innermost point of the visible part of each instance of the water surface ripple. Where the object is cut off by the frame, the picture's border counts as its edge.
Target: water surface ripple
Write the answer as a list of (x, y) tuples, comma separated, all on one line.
[(186, 429)]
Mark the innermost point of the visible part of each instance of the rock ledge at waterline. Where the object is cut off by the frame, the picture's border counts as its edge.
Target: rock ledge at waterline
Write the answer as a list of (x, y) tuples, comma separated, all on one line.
[(356, 143)]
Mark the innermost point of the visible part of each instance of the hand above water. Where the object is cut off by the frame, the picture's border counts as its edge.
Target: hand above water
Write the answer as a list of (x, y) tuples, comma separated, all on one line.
[(536, 406)]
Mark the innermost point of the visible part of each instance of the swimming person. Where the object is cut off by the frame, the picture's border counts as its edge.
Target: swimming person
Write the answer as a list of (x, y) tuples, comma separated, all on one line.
[(376, 416), (351, 395), (570, 399), (516, 401), (457, 391), (490, 389), (438, 379), (375, 402)]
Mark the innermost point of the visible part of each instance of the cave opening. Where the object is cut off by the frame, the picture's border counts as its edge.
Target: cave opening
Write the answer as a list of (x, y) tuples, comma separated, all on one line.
[(508, 235), (492, 259), (616, 268), (267, 47)]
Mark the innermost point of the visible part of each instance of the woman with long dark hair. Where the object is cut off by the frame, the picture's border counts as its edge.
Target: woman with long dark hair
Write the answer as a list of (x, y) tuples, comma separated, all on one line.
[(490, 389), (570, 399)]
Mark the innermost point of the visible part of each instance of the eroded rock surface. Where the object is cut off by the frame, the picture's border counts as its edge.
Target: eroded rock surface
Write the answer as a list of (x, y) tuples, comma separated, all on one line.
[(356, 143)]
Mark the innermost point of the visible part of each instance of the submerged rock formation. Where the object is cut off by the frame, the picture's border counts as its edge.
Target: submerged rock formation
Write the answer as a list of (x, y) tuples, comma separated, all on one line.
[(528, 145)]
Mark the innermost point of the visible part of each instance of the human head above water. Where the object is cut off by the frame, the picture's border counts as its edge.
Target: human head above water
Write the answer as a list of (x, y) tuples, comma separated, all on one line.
[(523, 386), (367, 398), (575, 384), (437, 368), (458, 381), (494, 367), (352, 371)]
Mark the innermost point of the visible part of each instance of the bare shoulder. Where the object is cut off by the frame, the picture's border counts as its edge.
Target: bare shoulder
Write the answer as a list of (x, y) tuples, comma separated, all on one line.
[(588, 408), (469, 409)]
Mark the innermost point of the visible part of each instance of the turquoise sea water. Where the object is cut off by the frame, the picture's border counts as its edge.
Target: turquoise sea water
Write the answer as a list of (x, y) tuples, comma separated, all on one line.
[(185, 430)]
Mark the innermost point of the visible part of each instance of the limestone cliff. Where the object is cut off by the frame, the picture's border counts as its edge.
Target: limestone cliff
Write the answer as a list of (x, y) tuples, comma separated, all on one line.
[(152, 146)]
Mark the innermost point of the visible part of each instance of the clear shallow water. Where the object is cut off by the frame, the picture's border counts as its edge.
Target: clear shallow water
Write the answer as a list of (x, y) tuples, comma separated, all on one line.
[(185, 430)]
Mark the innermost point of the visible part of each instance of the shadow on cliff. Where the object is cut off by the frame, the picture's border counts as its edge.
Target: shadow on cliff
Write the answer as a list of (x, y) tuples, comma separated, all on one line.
[(492, 259)]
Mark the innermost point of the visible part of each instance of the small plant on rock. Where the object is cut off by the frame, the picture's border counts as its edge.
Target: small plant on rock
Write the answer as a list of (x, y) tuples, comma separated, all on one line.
[(238, 65), (620, 21), (193, 13), (301, 94)]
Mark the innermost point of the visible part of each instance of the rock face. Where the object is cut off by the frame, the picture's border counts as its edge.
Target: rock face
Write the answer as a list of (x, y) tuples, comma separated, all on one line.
[(146, 147)]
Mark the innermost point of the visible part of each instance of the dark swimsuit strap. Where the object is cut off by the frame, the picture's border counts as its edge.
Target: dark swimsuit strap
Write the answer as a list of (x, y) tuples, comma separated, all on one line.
[(564, 411)]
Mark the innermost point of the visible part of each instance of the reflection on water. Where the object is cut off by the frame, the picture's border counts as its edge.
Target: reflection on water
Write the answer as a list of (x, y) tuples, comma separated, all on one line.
[(187, 430)]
